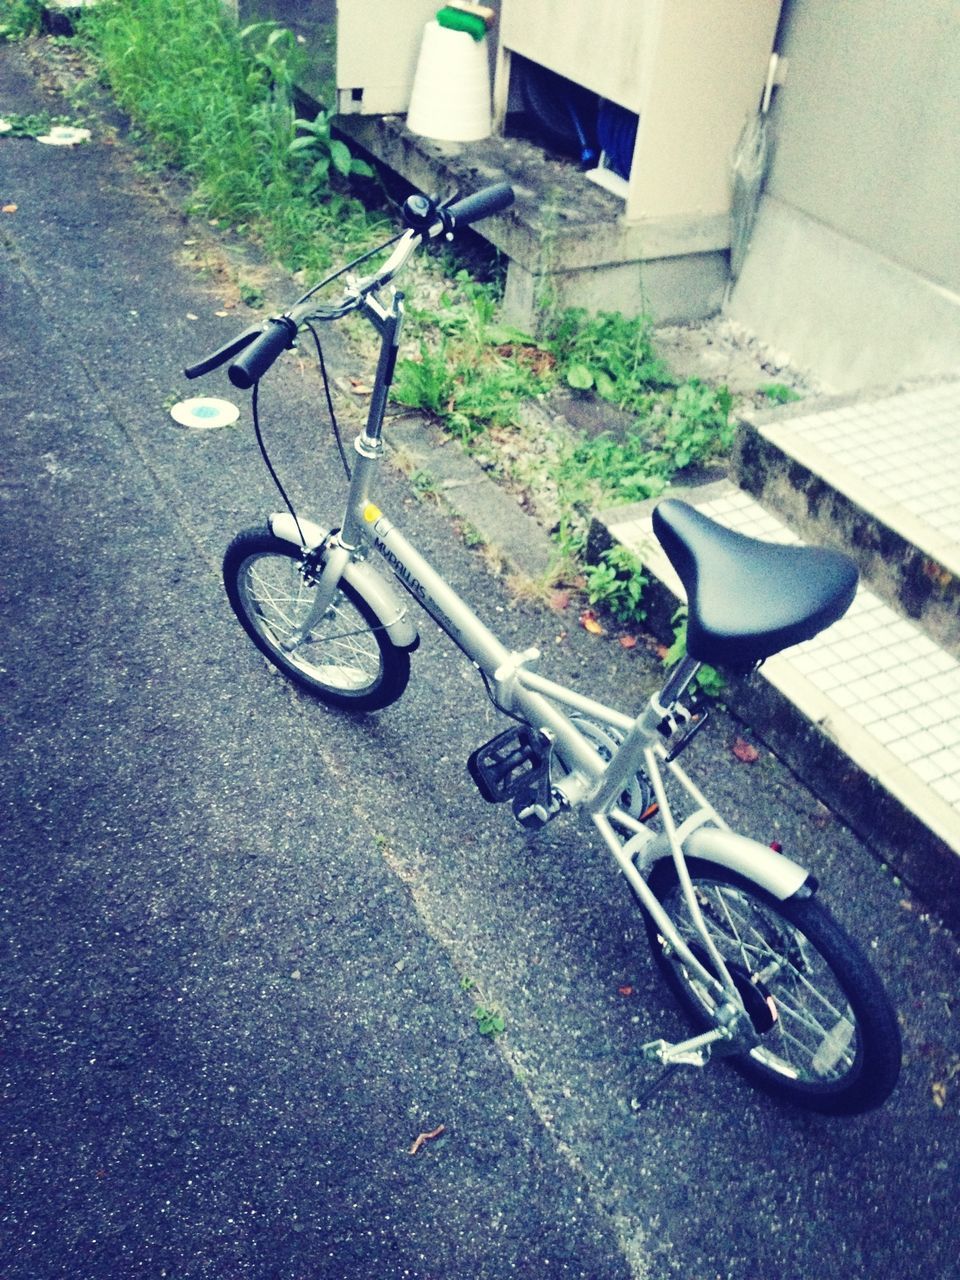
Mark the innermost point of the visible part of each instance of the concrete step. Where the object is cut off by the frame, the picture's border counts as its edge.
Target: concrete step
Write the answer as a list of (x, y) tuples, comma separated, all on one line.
[(878, 477), (565, 238), (867, 713)]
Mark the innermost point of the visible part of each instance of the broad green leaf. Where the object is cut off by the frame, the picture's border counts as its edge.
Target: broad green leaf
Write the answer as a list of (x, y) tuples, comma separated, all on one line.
[(341, 157), (579, 377)]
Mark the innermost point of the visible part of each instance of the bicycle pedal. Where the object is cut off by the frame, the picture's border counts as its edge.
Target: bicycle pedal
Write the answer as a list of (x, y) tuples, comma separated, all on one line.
[(513, 761)]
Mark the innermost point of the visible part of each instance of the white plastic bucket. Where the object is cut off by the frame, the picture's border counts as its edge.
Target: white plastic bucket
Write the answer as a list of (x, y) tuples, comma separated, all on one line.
[(450, 100)]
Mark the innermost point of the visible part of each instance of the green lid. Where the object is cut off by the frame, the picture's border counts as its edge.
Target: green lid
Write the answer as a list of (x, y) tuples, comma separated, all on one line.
[(457, 20)]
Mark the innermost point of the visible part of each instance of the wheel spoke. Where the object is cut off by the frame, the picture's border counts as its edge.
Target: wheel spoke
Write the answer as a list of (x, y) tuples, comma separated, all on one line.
[(814, 1036), (341, 651)]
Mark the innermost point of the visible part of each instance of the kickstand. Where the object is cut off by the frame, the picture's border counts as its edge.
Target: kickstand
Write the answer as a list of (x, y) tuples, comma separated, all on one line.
[(656, 1086)]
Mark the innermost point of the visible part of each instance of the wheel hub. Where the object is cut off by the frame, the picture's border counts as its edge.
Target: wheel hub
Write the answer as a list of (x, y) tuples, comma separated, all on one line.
[(758, 1002)]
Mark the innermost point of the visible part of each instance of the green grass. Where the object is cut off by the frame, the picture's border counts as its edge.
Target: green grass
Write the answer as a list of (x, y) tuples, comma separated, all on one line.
[(19, 19), (218, 102), (471, 372)]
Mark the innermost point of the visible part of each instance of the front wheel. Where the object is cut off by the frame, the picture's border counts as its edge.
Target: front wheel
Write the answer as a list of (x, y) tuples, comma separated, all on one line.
[(829, 1039), (348, 660)]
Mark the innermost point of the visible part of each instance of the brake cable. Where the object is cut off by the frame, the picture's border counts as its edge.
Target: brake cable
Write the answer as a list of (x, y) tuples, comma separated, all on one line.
[(255, 413), (327, 392)]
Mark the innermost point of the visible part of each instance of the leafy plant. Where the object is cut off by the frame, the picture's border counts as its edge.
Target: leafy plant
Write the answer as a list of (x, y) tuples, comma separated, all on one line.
[(708, 679), (611, 355), (489, 1021), (424, 383), (318, 146), (32, 125), (21, 18), (697, 425), (779, 393), (618, 582), (472, 375), (251, 295)]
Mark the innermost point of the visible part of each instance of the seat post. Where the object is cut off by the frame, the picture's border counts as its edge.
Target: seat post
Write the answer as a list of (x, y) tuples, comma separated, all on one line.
[(679, 681)]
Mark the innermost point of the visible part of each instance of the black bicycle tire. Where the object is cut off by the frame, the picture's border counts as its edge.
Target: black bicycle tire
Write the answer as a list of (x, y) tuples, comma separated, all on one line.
[(876, 1066), (394, 662)]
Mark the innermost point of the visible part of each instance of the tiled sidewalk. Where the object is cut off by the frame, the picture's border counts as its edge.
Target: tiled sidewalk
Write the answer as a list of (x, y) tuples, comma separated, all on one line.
[(896, 455)]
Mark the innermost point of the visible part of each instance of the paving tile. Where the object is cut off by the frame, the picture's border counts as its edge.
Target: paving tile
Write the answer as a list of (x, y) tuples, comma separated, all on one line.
[(903, 448)]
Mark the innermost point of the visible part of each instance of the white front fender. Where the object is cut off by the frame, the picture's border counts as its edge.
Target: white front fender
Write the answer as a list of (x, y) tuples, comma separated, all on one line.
[(391, 612)]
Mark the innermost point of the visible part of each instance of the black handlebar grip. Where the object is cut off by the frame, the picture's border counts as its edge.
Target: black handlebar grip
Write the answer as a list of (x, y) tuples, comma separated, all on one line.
[(483, 203), (250, 367)]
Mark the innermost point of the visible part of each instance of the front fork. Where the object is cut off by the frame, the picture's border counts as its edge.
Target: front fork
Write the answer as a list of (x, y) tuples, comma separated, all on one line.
[(340, 547), (336, 558)]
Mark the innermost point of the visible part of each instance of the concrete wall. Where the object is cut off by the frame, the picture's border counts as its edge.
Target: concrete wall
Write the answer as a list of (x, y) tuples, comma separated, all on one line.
[(855, 265)]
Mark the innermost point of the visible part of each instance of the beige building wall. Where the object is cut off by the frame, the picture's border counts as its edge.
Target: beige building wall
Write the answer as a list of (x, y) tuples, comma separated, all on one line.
[(869, 126), (854, 270)]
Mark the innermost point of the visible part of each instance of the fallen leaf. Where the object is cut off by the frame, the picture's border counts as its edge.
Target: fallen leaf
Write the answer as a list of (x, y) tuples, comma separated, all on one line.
[(9, 208), (424, 1138), (221, 313), (625, 991), (588, 620), (191, 316), (559, 601), (745, 751), (939, 1090), (628, 642)]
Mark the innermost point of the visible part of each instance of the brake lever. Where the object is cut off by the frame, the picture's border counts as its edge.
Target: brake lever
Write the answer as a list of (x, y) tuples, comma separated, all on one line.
[(224, 353)]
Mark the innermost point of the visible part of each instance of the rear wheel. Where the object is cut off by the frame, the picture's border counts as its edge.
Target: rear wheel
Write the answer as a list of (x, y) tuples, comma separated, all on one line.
[(829, 1039), (348, 660)]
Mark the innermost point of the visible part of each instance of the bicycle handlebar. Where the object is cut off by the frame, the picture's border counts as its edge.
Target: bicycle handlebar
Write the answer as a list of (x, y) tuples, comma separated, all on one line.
[(258, 347), (224, 353), (250, 366), (482, 204)]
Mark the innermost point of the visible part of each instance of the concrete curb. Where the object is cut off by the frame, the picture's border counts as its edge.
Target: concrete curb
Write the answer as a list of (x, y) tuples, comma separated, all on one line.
[(469, 494)]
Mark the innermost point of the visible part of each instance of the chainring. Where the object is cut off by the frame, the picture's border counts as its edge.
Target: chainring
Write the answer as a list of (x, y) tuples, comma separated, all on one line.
[(637, 796)]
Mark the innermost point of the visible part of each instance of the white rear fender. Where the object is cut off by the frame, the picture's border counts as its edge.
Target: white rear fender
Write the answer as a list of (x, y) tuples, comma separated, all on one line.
[(391, 612), (779, 876)]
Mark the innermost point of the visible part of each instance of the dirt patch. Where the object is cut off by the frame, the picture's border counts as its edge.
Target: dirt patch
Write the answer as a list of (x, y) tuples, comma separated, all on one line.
[(721, 352)]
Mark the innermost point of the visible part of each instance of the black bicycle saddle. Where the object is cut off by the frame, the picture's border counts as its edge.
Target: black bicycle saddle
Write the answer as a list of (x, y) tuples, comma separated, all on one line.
[(748, 599)]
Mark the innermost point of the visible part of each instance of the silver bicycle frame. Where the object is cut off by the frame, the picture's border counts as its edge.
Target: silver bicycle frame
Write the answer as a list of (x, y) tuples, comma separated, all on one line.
[(588, 782)]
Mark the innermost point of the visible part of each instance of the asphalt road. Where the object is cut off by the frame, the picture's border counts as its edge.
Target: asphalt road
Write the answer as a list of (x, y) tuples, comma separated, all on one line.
[(243, 937)]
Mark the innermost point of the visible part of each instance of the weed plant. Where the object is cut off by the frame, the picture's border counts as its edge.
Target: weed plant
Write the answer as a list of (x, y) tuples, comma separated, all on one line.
[(19, 19), (473, 373), (218, 102), (611, 355)]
